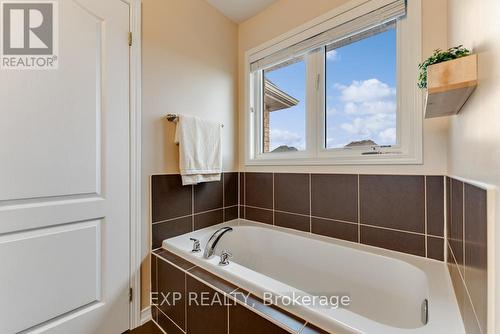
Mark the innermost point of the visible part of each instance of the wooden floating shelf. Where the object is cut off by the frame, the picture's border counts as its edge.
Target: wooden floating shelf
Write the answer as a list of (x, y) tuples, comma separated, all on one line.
[(449, 85)]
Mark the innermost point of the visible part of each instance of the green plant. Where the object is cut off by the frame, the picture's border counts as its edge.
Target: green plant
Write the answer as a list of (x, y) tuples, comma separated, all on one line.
[(438, 57)]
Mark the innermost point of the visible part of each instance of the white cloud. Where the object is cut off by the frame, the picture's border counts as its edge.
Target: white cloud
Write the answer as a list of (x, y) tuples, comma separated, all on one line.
[(332, 55), (375, 127), (368, 111), (284, 137), (373, 107), (332, 111), (388, 136), (365, 91)]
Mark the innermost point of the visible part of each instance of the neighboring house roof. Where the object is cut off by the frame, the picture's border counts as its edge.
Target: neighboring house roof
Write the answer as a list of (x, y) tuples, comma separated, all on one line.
[(276, 99), (285, 148), (366, 142)]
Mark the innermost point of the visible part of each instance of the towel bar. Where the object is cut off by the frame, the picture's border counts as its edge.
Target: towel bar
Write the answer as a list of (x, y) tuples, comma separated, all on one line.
[(174, 118)]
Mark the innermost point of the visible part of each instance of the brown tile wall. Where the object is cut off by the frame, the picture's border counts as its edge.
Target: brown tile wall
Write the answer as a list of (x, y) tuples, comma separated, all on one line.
[(178, 209), (233, 310), (398, 212), (467, 252)]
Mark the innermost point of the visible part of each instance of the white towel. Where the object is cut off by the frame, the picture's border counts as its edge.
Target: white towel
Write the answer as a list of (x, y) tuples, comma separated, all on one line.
[(200, 156)]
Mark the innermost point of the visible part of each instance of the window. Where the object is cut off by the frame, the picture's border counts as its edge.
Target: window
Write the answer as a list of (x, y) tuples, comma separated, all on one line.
[(284, 110), (361, 93), (345, 95)]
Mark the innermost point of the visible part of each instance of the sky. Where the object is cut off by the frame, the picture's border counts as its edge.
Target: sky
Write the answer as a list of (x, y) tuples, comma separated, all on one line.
[(360, 95)]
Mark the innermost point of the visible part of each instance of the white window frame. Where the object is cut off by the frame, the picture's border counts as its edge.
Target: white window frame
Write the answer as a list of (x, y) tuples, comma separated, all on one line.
[(409, 97)]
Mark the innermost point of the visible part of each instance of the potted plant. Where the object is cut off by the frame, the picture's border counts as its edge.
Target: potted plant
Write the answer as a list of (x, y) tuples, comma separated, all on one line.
[(439, 56)]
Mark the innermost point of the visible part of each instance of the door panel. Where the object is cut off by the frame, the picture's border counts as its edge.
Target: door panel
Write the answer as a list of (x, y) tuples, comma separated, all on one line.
[(45, 252), (64, 180), (65, 120)]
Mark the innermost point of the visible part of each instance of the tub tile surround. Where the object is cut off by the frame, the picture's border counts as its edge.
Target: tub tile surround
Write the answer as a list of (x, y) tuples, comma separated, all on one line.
[(178, 209), (399, 212), (396, 212), (238, 312), (467, 251)]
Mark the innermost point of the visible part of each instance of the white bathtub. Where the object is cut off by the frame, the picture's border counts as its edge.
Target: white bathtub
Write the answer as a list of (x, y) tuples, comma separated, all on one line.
[(386, 288)]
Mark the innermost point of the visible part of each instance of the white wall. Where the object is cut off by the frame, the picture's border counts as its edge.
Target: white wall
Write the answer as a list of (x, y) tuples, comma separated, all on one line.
[(285, 15), (474, 135), (189, 54)]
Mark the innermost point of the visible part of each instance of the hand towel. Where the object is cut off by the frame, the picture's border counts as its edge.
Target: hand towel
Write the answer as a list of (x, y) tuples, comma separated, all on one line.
[(200, 156)]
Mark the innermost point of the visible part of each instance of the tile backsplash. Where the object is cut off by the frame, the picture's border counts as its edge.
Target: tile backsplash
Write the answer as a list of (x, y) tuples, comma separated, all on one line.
[(178, 209), (467, 252), (404, 213), (398, 212)]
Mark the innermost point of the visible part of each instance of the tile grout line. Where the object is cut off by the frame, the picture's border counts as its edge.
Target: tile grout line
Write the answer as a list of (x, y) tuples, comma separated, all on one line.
[(393, 229), (435, 236), (344, 222), (192, 207), (425, 216), (227, 310), (173, 264), (451, 210), (239, 195), (463, 227), (310, 203), (190, 268), (223, 197), (185, 304), (273, 202), (170, 219), (445, 216), (359, 211), (245, 195), (158, 325), (172, 321), (462, 281), (150, 228), (156, 276), (303, 327), (195, 214)]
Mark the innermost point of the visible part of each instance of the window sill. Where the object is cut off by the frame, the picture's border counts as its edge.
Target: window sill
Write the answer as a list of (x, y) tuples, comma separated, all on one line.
[(379, 159)]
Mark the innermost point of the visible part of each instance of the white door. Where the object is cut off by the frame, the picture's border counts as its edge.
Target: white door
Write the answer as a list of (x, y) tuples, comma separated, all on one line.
[(64, 180)]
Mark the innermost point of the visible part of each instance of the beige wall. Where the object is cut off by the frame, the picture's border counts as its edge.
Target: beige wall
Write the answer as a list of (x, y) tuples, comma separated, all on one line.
[(474, 135), (192, 59), (189, 65), (285, 15), (190, 54)]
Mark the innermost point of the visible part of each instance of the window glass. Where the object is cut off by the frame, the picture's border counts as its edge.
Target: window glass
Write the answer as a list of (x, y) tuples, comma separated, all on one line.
[(284, 92), (360, 92)]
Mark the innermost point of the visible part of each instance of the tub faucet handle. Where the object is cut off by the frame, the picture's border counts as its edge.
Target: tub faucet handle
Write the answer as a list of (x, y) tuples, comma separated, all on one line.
[(196, 245), (224, 258)]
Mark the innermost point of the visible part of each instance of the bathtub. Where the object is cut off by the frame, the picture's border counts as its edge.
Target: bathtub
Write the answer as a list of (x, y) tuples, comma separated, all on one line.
[(385, 289)]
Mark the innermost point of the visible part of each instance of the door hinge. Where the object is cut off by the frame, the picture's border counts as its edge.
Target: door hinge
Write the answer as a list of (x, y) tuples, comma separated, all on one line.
[(130, 295), (130, 39)]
